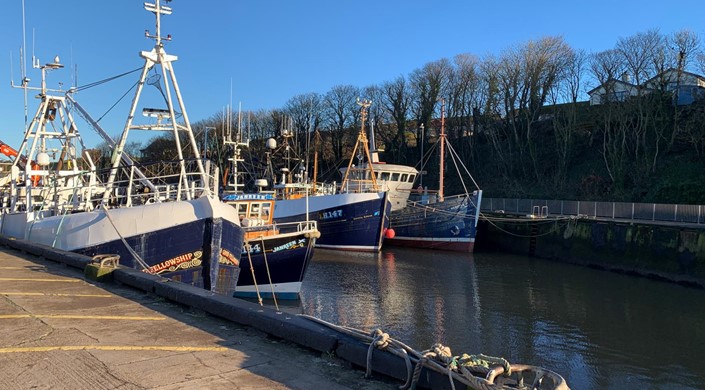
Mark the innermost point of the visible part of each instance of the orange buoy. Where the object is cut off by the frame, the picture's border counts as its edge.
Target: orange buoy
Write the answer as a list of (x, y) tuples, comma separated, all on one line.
[(389, 233)]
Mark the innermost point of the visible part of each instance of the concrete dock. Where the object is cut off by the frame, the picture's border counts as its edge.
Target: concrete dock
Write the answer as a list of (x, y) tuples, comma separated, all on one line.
[(61, 331)]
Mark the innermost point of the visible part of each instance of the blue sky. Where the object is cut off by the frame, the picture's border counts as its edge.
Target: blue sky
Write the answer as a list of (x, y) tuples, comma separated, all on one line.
[(272, 50)]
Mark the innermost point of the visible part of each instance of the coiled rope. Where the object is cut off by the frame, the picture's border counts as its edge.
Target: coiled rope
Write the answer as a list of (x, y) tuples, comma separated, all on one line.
[(440, 359)]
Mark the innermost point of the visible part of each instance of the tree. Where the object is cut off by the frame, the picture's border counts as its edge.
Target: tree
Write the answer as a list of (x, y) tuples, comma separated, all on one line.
[(565, 116), (606, 65), (464, 97), (427, 85), (339, 111), (642, 54), (685, 45), (397, 101)]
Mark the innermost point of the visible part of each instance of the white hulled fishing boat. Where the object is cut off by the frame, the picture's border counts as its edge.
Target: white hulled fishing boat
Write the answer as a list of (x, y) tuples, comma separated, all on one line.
[(164, 218)]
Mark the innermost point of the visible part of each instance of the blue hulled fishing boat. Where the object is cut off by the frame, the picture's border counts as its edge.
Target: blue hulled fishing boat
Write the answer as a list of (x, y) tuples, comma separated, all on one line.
[(164, 218)]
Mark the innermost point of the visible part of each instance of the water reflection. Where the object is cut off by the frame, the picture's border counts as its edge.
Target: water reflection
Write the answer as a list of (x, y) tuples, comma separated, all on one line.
[(600, 330)]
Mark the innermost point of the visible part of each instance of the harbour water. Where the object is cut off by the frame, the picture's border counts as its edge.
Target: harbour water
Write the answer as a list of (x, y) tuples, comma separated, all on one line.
[(599, 329)]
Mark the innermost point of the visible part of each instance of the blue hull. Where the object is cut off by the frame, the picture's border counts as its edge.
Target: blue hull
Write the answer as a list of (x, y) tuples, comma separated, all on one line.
[(204, 253), (356, 226), (448, 225), (278, 263)]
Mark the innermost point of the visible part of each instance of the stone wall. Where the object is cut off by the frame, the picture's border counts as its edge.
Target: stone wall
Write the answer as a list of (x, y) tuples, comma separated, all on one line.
[(670, 252)]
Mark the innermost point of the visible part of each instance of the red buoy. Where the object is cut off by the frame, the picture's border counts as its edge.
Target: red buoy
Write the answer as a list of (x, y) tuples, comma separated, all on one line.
[(389, 233)]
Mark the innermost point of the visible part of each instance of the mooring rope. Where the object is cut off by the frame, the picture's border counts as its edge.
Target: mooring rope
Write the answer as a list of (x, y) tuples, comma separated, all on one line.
[(248, 248), (138, 259), (269, 276), (440, 359)]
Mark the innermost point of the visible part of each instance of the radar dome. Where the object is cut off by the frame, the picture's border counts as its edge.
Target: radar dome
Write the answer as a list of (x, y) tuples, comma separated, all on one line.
[(43, 159)]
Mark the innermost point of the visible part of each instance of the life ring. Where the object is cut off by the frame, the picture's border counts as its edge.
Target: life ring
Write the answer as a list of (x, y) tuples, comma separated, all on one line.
[(455, 230)]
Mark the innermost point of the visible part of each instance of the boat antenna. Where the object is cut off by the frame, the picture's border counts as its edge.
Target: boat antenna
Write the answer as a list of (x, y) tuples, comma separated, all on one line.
[(23, 59), (373, 149), (239, 122), (443, 141), (309, 118)]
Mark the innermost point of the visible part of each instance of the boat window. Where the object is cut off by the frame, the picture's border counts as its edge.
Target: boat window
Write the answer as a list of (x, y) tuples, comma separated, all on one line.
[(404, 177), (266, 210), (242, 210), (384, 176), (411, 178), (395, 176), (254, 210)]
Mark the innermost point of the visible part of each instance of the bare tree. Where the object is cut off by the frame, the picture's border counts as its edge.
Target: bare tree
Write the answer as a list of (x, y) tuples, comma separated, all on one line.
[(464, 99), (340, 113), (303, 113), (572, 83), (607, 65), (427, 85), (684, 46), (304, 110), (495, 129), (397, 101), (641, 54), (377, 113), (545, 62), (464, 95), (565, 116)]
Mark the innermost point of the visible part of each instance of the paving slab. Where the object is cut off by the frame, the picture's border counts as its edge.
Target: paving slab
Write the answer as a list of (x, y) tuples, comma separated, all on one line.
[(59, 331)]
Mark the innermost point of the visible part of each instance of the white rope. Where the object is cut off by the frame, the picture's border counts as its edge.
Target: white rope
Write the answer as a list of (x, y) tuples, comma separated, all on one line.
[(269, 276), (248, 248), (134, 254)]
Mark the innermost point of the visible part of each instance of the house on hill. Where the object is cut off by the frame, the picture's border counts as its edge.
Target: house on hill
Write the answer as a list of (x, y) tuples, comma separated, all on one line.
[(613, 90), (686, 88)]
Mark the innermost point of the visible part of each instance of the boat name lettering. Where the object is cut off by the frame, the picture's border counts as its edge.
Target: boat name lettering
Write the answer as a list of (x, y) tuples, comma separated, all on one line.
[(332, 214), (290, 245), (253, 249), (248, 197), (187, 260)]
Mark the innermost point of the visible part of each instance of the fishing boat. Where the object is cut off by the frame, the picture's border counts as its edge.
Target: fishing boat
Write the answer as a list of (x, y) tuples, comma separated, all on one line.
[(420, 218), (275, 256), (346, 220), (163, 218)]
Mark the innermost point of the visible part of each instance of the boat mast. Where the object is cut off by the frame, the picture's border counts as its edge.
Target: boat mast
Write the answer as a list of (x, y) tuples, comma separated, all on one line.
[(236, 185), (316, 145), (361, 140), (158, 56), (443, 142)]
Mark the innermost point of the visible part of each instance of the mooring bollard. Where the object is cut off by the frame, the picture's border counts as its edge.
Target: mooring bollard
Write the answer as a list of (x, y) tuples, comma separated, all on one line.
[(102, 267)]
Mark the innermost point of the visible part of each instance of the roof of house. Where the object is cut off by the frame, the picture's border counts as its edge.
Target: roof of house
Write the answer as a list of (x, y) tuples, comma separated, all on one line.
[(612, 80), (685, 72)]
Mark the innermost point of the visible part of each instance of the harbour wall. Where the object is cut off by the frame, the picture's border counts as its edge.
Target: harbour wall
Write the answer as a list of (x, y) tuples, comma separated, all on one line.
[(667, 251)]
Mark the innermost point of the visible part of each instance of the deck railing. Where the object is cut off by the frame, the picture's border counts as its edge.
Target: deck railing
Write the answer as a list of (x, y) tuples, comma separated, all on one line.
[(133, 185), (685, 213)]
